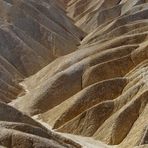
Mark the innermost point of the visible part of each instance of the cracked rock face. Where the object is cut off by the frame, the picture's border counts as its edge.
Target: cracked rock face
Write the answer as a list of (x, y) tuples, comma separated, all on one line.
[(74, 73)]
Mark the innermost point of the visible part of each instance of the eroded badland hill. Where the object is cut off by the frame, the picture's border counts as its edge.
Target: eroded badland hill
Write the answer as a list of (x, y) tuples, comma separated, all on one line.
[(74, 73)]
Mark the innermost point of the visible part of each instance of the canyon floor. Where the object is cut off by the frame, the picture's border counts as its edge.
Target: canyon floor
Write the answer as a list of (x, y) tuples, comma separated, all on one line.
[(73, 73)]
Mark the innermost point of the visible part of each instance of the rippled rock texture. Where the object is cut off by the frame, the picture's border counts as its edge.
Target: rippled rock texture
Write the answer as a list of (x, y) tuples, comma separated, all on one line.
[(77, 66)]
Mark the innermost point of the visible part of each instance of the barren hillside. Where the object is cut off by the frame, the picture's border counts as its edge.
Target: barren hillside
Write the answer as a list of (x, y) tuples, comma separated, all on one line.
[(74, 73)]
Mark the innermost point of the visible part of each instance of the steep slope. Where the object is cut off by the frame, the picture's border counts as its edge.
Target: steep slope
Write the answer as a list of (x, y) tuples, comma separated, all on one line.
[(20, 131), (32, 34), (88, 87)]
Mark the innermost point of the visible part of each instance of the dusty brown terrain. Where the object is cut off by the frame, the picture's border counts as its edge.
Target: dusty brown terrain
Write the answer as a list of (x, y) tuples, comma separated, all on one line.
[(74, 73)]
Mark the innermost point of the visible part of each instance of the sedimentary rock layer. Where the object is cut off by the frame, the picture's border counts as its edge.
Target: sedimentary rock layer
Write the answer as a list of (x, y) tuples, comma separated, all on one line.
[(78, 66)]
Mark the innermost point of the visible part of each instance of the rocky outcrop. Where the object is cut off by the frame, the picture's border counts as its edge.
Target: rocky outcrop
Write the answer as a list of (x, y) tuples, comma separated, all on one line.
[(32, 36), (88, 86), (19, 130)]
